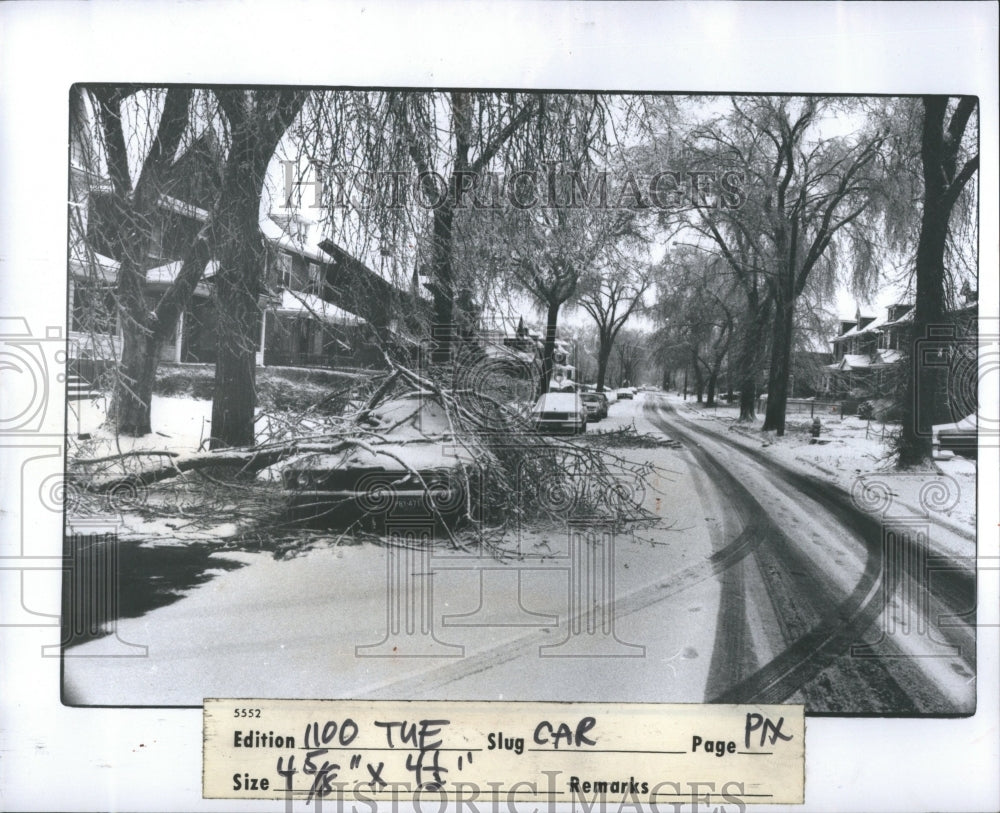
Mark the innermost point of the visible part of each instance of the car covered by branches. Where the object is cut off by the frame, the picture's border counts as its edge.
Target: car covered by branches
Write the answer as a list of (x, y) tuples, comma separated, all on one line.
[(405, 462)]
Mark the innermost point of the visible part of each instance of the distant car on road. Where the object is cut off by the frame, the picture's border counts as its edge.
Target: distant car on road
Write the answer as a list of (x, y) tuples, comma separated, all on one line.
[(596, 404), (412, 467), (560, 413), (625, 394)]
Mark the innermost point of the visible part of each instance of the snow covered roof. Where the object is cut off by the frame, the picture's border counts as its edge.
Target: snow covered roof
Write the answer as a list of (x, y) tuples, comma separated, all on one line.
[(906, 317), (310, 304), (91, 265), (301, 245), (888, 356), (499, 351), (871, 327), (181, 207), (167, 273), (876, 325), (850, 362)]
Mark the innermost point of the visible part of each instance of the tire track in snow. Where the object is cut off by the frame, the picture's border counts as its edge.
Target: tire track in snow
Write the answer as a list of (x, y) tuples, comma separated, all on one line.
[(819, 626)]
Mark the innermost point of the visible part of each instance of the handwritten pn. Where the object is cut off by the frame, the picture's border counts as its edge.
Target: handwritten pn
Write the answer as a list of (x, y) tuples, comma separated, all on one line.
[(767, 729)]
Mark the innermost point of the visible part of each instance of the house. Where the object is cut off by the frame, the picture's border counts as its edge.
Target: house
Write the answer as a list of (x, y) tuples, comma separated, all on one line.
[(866, 353), (869, 352), (94, 320), (318, 309)]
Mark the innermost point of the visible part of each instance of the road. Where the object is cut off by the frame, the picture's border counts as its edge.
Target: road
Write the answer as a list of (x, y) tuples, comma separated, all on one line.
[(821, 602), (762, 584)]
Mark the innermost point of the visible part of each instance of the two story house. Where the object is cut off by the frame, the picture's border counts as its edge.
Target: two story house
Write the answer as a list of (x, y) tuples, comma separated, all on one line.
[(868, 353)]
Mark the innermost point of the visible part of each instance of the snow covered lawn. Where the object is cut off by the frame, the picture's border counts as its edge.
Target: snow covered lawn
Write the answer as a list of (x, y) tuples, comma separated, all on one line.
[(854, 454), (180, 424), (304, 624)]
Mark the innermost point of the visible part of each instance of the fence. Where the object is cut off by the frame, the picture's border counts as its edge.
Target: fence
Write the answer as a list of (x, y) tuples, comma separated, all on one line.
[(813, 407)]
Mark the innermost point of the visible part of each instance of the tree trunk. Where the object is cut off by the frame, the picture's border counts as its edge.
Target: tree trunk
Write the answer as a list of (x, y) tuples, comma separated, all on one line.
[(238, 284), (699, 379), (136, 211), (235, 367), (443, 328), (925, 399), (131, 401), (130, 412), (549, 349), (713, 378), (603, 355), (751, 354), (240, 281), (143, 335), (781, 355), (927, 385), (748, 398)]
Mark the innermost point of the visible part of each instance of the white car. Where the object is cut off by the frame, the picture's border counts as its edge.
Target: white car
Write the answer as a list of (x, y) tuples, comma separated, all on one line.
[(961, 437), (560, 413)]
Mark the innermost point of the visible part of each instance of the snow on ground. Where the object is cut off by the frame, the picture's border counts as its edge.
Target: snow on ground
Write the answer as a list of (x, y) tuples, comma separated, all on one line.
[(180, 424), (292, 626), (854, 454)]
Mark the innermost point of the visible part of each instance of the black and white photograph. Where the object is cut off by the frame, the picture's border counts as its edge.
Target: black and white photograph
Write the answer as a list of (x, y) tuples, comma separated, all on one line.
[(615, 365), (479, 394)]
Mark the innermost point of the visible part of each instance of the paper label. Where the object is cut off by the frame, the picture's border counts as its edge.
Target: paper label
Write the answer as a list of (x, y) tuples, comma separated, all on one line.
[(647, 753)]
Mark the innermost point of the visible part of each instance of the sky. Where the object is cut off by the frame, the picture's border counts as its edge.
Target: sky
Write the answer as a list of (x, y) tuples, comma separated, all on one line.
[(400, 260)]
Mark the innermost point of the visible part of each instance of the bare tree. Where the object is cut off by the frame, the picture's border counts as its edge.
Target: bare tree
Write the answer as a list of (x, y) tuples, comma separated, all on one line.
[(808, 195), (258, 119), (611, 297), (552, 249), (449, 166), (133, 213), (948, 165), (629, 356), (699, 309)]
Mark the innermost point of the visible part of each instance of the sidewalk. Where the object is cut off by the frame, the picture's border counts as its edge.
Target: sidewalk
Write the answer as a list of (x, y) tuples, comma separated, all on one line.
[(855, 459)]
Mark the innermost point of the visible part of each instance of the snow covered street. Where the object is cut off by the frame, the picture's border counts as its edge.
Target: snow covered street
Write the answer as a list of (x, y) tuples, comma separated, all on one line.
[(305, 625), (758, 583)]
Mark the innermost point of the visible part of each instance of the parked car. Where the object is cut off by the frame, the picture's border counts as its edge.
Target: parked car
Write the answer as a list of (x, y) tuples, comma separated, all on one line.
[(560, 413), (625, 393), (596, 404), (412, 468), (959, 438), (611, 395)]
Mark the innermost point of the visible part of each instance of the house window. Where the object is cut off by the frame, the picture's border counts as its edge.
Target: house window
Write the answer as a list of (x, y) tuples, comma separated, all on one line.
[(314, 278), (156, 240), (284, 264)]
